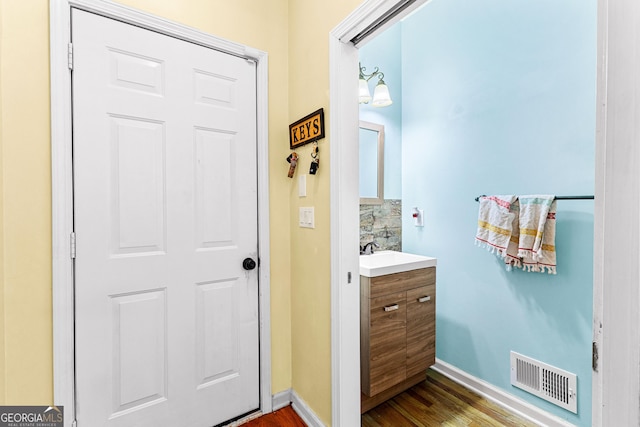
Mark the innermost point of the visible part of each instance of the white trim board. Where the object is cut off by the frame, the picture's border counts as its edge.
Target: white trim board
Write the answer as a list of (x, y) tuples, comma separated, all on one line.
[(281, 399), (61, 210), (597, 385), (617, 215), (290, 397), (62, 183), (345, 217), (305, 412), (345, 279), (500, 397)]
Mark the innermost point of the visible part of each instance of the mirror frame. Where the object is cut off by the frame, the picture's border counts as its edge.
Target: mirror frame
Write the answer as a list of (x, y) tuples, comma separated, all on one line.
[(380, 194)]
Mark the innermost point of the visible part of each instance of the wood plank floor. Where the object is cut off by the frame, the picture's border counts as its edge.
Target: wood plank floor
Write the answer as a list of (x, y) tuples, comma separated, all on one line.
[(437, 401)]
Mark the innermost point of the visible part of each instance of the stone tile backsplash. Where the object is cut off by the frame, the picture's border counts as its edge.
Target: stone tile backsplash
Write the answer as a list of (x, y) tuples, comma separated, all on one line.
[(382, 223)]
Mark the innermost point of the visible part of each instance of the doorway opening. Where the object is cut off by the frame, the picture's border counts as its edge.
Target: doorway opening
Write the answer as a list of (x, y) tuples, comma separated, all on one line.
[(344, 60)]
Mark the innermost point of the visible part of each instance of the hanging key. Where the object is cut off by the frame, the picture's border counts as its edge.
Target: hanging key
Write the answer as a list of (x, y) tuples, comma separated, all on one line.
[(293, 162), (315, 164)]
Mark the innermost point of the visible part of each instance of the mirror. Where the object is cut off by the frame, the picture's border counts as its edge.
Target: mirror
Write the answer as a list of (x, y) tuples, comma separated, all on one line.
[(371, 163)]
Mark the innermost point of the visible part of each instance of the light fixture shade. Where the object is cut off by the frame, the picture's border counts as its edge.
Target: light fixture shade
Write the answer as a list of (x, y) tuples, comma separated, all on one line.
[(381, 97), (364, 95)]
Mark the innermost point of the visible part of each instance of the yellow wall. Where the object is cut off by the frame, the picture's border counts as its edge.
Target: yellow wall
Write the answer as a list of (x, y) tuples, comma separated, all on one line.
[(309, 25), (295, 35), (26, 220)]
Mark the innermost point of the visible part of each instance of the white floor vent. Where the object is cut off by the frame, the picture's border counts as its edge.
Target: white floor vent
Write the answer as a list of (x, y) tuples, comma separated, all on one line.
[(545, 381)]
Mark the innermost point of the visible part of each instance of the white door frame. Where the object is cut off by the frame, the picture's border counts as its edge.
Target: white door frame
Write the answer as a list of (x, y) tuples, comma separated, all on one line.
[(345, 217), (616, 215), (616, 385), (62, 183)]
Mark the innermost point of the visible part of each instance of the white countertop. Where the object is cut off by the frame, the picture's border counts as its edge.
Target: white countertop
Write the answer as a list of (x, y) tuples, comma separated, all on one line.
[(390, 262)]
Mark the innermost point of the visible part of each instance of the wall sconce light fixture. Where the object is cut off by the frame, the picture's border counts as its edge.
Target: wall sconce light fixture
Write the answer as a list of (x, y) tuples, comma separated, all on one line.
[(381, 97)]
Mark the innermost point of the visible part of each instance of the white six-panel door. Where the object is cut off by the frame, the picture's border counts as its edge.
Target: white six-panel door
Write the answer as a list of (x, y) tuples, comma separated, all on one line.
[(165, 211)]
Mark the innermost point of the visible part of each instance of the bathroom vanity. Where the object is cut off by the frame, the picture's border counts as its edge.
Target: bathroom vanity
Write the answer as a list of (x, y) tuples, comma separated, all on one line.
[(397, 323)]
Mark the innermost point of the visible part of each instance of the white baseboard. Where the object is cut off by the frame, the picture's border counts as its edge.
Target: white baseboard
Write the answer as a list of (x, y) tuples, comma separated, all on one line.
[(290, 397), (280, 400), (494, 394), (305, 412)]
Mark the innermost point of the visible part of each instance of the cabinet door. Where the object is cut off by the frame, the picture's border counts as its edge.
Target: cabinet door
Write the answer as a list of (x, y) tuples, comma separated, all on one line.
[(387, 342), (421, 329)]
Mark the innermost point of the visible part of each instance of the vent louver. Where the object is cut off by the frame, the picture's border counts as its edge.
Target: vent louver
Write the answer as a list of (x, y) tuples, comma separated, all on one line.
[(545, 381)]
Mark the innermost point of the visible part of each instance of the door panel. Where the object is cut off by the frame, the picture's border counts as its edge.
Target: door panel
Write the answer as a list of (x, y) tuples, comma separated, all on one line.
[(165, 211), (217, 327), (140, 349), (137, 186), (215, 199)]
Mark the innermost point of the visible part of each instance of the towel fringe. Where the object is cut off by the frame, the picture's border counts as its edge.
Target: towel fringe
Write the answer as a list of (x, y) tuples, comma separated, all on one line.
[(499, 252), (512, 261), (550, 269)]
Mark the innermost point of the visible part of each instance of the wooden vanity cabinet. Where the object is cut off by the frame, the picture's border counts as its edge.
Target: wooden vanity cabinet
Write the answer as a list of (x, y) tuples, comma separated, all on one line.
[(397, 332)]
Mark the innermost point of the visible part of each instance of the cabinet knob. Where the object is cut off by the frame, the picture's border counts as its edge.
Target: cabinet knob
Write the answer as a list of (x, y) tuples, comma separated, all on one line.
[(425, 299), (391, 307)]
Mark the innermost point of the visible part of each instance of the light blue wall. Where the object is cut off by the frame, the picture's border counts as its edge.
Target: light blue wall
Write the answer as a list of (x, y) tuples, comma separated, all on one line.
[(385, 52), (499, 98)]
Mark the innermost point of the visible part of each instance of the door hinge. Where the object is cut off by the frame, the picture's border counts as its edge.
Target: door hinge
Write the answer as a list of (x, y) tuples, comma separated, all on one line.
[(70, 55), (594, 356), (72, 245)]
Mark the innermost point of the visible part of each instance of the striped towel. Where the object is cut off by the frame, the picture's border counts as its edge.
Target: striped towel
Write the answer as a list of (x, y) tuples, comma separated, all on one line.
[(495, 222), (537, 227), (512, 259)]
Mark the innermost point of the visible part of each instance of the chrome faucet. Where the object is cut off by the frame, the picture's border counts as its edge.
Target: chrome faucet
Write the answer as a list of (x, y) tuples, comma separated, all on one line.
[(368, 248)]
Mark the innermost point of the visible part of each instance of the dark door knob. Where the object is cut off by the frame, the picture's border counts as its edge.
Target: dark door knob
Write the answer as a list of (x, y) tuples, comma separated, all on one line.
[(248, 264)]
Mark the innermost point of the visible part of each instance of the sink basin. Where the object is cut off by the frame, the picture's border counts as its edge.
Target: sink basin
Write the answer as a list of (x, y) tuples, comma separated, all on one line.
[(390, 262)]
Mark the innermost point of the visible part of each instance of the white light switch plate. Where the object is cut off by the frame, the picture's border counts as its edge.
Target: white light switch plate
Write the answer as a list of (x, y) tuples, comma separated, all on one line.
[(307, 218)]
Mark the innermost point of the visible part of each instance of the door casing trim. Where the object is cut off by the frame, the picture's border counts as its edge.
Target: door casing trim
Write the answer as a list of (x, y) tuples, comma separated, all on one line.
[(345, 278), (62, 183)]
